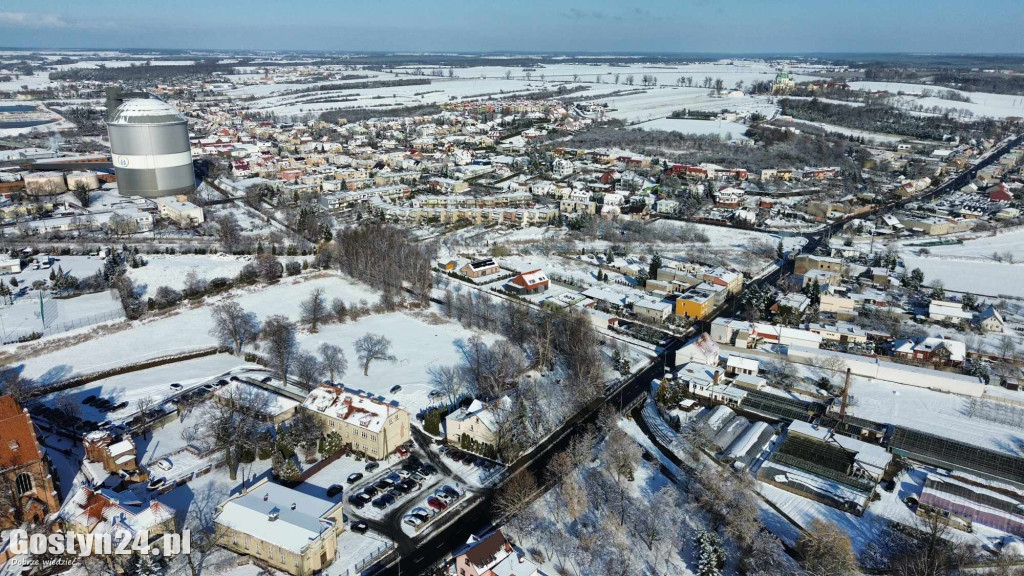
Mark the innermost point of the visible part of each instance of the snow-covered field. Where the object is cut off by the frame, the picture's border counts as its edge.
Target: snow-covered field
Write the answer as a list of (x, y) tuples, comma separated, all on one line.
[(162, 270), (184, 330), (721, 128), (965, 275), (981, 104), (1011, 241)]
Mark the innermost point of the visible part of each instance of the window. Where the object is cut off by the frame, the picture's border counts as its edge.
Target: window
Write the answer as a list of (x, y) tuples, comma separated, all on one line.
[(23, 483), (13, 445)]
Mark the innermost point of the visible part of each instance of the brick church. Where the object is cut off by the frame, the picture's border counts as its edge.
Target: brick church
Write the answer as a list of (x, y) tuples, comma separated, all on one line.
[(27, 493)]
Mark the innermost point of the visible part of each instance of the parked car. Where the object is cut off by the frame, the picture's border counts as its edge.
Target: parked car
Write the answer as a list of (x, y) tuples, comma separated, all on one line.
[(396, 388), (221, 383), (89, 400), (267, 380), (120, 406), (402, 452), (164, 464), (388, 499), (371, 466), (443, 496), (209, 386), (417, 477), (402, 488), (403, 473), (359, 527), (354, 477), (429, 469), (357, 500), (334, 490), (436, 503), (423, 511), (451, 491), (412, 520), (479, 463), (383, 484), (379, 504), (156, 483), (370, 490)]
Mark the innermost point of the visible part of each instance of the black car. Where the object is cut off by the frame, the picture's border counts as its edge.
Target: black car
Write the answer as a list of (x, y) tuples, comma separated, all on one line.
[(408, 484), (396, 388), (357, 500), (422, 517), (451, 492), (89, 400), (402, 488), (369, 490), (379, 503), (383, 484), (371, 466), (388, 499), (121, 406), (428, 469), (359, 527), (354, 477), (334, 490)]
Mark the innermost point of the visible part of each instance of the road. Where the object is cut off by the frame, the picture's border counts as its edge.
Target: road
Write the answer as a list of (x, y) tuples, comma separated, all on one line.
[(480, 515), (420, 554)]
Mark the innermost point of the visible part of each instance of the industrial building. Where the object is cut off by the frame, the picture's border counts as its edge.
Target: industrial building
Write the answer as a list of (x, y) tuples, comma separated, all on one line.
[(150, 149)]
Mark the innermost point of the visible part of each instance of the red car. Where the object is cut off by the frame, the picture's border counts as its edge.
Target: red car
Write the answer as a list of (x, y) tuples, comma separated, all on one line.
[(402, 452), (436, 503)]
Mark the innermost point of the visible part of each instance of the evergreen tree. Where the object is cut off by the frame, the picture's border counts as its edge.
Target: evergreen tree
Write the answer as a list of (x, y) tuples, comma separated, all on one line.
[(652, 270)]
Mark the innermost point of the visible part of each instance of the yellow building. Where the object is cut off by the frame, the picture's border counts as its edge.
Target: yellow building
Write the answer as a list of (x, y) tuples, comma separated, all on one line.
[(367, 425), (695, 304), (289, 530)]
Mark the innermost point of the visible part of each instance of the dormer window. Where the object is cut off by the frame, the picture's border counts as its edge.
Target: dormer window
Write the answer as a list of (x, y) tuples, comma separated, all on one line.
[(13, 445)]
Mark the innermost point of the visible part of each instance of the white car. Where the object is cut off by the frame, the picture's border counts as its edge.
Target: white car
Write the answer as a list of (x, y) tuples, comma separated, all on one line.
[(412, 520), (404, 473), (164, 464)]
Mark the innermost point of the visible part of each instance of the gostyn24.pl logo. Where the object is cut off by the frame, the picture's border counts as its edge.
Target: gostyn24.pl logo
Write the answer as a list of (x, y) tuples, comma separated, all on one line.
[(119, 543)]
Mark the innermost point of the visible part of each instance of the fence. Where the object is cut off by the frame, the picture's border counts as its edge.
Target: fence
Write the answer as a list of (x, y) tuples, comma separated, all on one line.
[(383, 550)]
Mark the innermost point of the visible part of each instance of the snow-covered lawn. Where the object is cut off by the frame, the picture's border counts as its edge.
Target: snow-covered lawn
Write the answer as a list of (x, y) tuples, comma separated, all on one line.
[(418, 343), (165, 270), (185, 329), (1011, 241), (721, 128), (981, 104)]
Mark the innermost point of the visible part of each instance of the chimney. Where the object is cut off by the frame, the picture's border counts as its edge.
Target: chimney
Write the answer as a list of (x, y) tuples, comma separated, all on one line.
[(846, 393)]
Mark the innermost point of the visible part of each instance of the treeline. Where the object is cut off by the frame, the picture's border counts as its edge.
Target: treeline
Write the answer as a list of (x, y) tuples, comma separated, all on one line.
[(385, 257), (780, 147), (887, 119), (368, 85), (152, 73), (361, 114), (980, 82)]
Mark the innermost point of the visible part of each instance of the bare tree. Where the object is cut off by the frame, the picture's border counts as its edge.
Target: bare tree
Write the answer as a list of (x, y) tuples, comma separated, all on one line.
[(313, 310), (279, 335), (309, 369), (373, 347), (11, 384), (515, 495), (233, 326), (205, 533), (934, 553), (449, 381), (339, 310), (333, 358)]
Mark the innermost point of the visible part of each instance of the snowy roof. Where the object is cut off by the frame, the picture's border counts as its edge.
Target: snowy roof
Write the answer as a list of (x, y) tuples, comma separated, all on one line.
[(482, 411), (146, 111), (742, 363), (122, 447), (532, 278), (350, 406), (277, 515), (870, 456), (105, 511)]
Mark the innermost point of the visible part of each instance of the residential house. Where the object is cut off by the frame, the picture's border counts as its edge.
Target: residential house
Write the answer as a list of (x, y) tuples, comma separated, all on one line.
[(943, 311), (492, 555), (530, 282), (990, 320), (180, 211), (478, 421), (102, 511), (479, 268), (702, 350), (652, 310)]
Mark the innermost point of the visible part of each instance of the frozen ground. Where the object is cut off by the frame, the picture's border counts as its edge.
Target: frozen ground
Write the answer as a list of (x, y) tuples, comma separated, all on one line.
[(1011, 241)]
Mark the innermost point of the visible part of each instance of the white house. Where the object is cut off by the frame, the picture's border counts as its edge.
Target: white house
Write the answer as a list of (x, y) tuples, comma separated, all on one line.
[(941, 310)]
